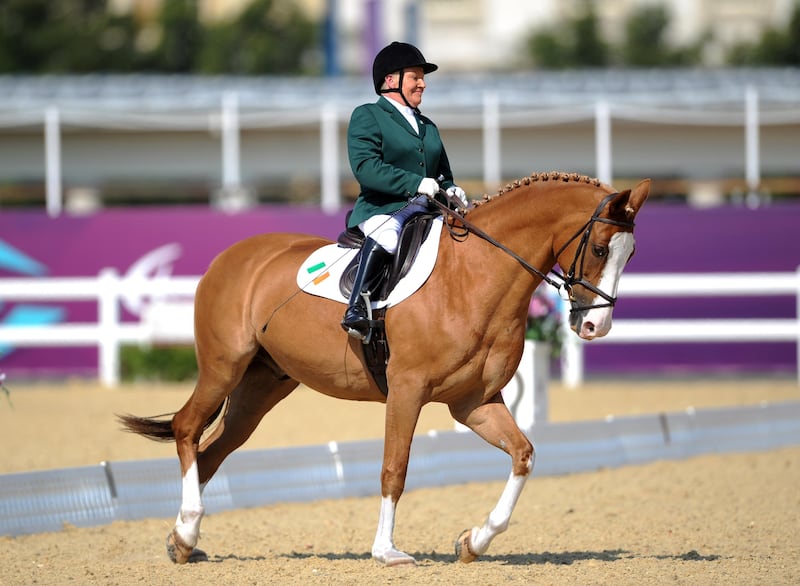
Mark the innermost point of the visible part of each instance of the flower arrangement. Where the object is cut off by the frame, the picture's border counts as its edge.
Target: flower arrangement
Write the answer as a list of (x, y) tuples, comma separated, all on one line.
[(544, 317)]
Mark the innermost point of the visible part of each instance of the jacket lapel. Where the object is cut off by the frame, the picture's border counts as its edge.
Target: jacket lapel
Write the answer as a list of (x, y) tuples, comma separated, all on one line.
[(421, 126), (400, 119)]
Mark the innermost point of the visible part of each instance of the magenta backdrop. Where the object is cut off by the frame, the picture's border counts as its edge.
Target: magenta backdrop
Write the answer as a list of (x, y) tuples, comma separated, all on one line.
[(670, 238)]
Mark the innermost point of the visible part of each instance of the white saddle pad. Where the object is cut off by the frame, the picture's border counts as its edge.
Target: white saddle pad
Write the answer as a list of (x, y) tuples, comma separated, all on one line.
[(321, 271)]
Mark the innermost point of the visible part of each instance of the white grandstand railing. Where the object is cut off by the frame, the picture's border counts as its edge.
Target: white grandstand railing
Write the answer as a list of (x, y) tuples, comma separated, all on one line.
[(166, 314)]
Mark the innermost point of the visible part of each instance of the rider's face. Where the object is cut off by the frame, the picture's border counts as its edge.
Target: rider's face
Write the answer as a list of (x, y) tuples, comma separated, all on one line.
[(413, 85)]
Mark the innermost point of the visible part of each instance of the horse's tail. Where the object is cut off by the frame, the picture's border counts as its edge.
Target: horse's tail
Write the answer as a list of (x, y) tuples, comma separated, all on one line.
[(156, 428)]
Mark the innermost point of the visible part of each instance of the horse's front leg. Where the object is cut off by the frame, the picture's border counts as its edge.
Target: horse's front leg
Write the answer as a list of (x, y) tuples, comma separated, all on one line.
[(494, 423), (402, 413)]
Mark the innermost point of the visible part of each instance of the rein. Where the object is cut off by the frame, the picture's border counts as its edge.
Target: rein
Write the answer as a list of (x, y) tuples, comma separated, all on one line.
[(568, 279)]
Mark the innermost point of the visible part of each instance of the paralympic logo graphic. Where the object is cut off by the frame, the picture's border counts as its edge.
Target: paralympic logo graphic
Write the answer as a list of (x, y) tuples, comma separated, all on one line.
[(17, 262)]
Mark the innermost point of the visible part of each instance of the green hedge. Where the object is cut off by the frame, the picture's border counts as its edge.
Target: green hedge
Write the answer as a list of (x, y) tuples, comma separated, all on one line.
[(167, 363)]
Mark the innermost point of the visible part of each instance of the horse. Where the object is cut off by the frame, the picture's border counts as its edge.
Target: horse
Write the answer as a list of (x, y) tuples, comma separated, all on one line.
[(458, 340)]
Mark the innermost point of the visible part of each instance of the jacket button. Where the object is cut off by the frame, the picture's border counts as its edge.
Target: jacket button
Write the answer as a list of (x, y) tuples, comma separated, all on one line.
[(421, 164)]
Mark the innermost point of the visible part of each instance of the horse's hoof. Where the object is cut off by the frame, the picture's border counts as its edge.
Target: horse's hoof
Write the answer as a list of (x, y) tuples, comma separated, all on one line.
[(399, 559), (197, 556), (464, 552), (180, 553)]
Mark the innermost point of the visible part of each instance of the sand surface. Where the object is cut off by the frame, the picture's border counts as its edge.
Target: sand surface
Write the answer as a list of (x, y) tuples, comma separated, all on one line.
[(716, 519)]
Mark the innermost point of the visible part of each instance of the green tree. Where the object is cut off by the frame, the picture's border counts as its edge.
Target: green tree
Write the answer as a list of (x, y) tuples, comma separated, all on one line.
[(777, 47), (646, 44), (79, 36), (549, 50), (181, 37), (588, 47), (270, 36), (69, 36), (578, 44)]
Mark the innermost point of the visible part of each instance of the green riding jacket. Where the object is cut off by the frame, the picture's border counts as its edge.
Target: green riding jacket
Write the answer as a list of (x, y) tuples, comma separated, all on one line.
[(389, 158)]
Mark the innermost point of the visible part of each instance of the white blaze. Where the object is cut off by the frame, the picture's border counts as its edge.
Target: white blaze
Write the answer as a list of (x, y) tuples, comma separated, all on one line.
[(597, 322)]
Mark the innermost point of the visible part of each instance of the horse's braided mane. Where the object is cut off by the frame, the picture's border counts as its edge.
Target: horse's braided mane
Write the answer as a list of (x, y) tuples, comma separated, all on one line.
[(534, 177)]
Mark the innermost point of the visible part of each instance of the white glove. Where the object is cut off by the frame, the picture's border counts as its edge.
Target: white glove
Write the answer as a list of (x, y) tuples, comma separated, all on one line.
[(456, 192), (428, 186)]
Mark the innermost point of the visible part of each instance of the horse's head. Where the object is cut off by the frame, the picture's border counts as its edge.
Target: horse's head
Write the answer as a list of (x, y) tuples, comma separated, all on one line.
[(593, 260)]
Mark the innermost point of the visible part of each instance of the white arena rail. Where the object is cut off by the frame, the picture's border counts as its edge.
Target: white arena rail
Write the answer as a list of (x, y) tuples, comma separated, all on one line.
[(166, 314), (108, 333), (698, 330)]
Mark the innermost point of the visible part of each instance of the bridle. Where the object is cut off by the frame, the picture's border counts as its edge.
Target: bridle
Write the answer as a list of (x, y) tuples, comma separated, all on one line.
[(569, 279), (574, 275)]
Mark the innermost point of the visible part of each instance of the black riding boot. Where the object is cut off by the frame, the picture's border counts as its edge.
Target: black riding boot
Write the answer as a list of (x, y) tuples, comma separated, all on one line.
[(373, 259)]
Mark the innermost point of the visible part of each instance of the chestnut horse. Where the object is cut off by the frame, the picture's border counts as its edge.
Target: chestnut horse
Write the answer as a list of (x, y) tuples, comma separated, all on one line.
[(457, 340)]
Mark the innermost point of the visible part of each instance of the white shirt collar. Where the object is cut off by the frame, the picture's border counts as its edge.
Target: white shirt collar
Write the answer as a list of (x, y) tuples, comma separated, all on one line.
[(407, 112)]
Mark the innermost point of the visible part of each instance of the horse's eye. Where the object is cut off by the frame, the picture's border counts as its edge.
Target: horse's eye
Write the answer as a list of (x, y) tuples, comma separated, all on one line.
[(599, 251)]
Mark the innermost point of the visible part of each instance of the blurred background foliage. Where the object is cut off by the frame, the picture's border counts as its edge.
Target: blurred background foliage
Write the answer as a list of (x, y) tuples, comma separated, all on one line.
[(158, 364), (276, 37), (580, 44), (82, 36)]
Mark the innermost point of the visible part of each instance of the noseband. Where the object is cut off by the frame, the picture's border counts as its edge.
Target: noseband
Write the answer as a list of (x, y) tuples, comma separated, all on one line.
[(559, 280)]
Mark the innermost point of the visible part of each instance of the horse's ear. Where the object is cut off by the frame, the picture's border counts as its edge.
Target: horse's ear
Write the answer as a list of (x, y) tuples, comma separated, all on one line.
[(630, 201), (637, 198)]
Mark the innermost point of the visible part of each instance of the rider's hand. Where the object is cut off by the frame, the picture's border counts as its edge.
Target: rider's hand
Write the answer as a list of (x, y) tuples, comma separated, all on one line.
[(457, 192), (428, 186)]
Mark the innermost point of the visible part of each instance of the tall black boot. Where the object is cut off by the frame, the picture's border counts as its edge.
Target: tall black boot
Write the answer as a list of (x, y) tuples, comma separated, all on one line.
[(373, 258)]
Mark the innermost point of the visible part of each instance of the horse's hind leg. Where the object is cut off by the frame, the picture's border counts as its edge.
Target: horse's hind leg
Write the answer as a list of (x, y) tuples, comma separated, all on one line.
[(494, 423), (258, 392), (259, 389)]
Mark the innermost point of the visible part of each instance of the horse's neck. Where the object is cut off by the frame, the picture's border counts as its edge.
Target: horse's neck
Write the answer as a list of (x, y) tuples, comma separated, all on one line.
[(489, 282), (528, 220), (533, 220), (522, 220)]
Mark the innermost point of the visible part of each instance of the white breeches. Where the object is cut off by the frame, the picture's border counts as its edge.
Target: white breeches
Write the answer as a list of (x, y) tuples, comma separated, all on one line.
[(385, 229)]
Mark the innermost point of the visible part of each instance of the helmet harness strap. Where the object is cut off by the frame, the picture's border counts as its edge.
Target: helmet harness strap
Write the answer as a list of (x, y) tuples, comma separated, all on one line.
[(399, 90)]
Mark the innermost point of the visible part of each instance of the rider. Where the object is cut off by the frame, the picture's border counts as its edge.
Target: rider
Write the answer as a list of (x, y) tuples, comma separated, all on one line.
[(398, 158)]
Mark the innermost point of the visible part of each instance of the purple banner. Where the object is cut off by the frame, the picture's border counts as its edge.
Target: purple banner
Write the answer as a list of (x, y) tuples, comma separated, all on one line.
[(182, 241)]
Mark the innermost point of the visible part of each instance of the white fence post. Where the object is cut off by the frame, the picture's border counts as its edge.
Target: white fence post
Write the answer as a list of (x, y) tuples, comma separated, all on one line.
[(491, 140), (329, 159), (52, 152), (108, 315), (571, 357), (231, 173), (602, 141), (752, 161)]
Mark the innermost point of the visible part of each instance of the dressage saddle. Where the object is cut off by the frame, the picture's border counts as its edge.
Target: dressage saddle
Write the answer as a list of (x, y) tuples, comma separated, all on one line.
[(412, 235)]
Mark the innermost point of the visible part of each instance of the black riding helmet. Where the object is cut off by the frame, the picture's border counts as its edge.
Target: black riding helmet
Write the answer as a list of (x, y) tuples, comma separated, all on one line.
[(398, 57)]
